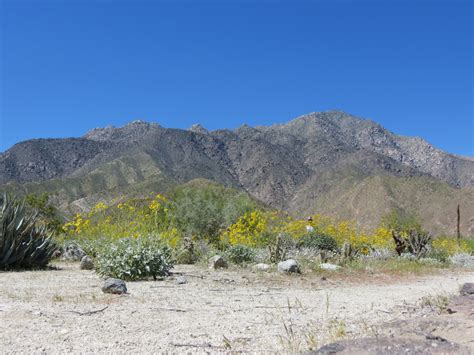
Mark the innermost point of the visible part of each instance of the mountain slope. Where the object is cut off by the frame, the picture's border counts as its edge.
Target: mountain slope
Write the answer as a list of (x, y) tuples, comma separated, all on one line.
[(328, 162)]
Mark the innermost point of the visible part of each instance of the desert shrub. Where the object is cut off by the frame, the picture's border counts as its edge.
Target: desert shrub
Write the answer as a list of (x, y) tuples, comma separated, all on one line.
[(469, 244), (318, 241), (402, 221), (248, 230), (449, 245), (438, 254), (134, 217), (240, 254), (203, 209), (47, 212), (24, 241), (134, 259), (462, 260), (256, 228)]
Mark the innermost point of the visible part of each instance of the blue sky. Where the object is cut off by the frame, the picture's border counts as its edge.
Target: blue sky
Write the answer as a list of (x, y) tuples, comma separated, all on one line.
[(69, 66)]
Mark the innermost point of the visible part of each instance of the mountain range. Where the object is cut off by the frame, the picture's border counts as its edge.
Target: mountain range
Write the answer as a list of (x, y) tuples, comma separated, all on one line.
[(328, 162)]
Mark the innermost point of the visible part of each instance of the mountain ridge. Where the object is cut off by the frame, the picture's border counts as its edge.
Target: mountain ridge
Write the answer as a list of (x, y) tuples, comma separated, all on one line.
[(321, 156)]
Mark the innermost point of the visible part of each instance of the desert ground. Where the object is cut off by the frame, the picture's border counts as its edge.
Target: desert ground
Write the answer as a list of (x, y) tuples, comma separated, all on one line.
[(234, 310)]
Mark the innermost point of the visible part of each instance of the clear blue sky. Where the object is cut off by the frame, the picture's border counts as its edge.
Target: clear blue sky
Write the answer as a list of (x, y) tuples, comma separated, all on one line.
[(69, 66)]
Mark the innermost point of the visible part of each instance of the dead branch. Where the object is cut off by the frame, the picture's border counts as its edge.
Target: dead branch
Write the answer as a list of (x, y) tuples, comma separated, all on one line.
[(170, 309), (90, 312)]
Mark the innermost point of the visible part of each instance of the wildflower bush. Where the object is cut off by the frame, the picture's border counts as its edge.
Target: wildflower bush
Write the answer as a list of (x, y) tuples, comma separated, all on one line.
[(227, 221), (131, 218), (134, 259), (449, 245), (200, 211)]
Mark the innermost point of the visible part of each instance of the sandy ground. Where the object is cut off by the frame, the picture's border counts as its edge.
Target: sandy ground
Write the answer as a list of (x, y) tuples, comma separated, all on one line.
[(216, 311)]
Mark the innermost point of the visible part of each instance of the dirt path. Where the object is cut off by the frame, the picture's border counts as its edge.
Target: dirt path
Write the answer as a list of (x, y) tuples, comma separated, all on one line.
[(215, 311)]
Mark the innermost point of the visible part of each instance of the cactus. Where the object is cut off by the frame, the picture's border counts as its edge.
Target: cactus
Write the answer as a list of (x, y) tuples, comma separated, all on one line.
[(24, 242), (278, 249), (417, 243), (348, 251)]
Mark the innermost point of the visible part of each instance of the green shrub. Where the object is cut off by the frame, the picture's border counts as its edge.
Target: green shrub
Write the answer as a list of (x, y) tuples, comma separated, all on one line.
[(203, 209), (134, 259), (48, 213), (470, 245), (240, 254), (318, 241), (437, 254), (402, 221), (24, 242)]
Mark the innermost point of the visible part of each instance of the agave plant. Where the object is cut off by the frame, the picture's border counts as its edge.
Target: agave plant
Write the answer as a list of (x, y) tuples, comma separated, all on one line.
[(24, 242)]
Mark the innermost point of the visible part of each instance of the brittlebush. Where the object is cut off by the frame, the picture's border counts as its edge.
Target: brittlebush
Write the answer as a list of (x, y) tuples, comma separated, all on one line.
[(129, 219)]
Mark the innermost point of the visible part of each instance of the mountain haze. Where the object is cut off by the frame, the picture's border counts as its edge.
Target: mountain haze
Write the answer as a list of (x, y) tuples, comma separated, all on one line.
[(328, 162)]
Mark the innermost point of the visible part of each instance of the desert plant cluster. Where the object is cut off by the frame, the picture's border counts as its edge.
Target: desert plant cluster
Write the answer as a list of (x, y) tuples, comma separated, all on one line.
[(143, 238)]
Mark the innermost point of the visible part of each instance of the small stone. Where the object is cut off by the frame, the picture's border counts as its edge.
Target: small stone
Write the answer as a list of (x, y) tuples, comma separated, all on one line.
[(115, 286), (181, 280), (262, 267), (87, 263), (467, 289), (289, 266), (328, 266), (217, 262)]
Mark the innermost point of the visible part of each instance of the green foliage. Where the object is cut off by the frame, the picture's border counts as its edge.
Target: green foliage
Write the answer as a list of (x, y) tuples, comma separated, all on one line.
[(49, 214), (401, 221), (134, 259), (24, 242), (204, 210), (240, 254), (318, 241), (470, 245)]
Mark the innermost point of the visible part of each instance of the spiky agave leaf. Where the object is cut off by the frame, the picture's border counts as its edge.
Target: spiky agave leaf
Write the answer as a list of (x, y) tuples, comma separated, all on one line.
[(24, 243)]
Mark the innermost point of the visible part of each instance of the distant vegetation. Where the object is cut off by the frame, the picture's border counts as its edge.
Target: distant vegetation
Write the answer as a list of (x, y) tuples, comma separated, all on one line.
[(198, 220), (144, 237)]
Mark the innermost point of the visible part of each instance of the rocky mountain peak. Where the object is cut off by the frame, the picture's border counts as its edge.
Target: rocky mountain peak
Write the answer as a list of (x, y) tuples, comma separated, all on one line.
[(132, 130), (197, 128)]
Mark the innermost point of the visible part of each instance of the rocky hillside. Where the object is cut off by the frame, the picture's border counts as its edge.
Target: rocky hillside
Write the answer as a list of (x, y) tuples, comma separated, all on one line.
[(329, 162)]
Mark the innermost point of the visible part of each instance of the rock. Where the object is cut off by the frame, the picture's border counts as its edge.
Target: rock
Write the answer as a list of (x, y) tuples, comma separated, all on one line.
[(181, 280), (87, 263), (217, 262), (328, 266), (262, 267), (467, 289), (115, 286), (73, 252), (289, 266), (394, 346)]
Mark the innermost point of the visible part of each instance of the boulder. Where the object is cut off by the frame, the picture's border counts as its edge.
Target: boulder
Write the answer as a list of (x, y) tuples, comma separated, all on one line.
[(115, 286), (87, 263), (262, 267), (328, 266), (289, 266), (467, 289), (72, 252), (217, 262)]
